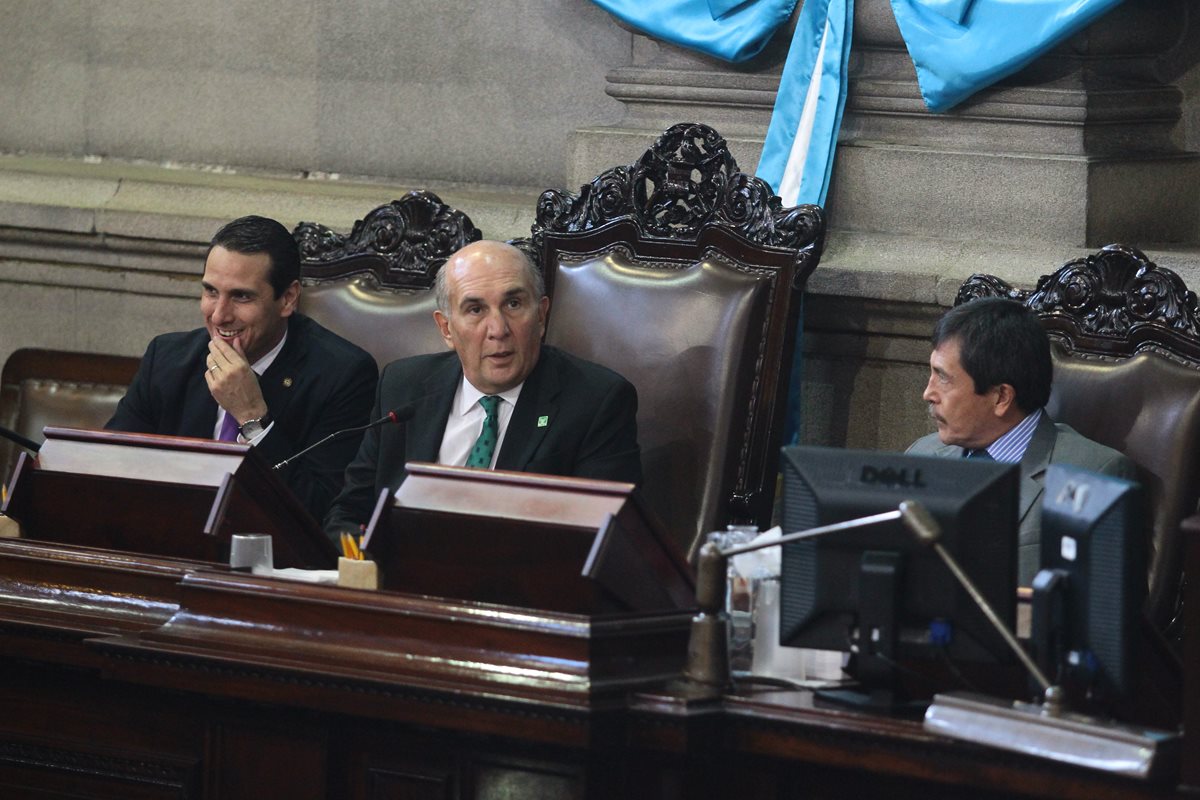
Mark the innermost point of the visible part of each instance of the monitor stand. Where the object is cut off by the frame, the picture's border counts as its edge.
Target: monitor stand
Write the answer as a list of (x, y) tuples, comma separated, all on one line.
[(874, 661)]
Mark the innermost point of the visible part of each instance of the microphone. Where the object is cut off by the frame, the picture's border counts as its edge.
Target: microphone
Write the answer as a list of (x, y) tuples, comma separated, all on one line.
[(13, 436), (396, 416)]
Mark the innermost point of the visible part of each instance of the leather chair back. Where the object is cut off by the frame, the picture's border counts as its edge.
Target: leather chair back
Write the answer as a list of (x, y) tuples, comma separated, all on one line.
[(1126, 347), (374, 286), (54, 387), (684, 275)]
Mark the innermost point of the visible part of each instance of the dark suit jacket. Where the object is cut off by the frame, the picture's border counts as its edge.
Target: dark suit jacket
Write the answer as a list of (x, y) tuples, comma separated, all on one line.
[(319, 383), (1052, 443), (591, 429)]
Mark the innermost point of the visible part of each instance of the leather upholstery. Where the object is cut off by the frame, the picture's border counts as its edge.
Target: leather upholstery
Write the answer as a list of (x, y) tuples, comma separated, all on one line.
[(50, 387), (694, 368), (388, 324), (1148, 407), (43, 402)]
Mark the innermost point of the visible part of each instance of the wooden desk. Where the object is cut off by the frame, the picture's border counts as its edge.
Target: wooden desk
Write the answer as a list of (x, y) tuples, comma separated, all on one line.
[(149, 679)]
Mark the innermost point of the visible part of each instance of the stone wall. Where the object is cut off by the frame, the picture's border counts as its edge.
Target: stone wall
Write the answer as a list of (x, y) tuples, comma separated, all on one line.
[(481, 91)]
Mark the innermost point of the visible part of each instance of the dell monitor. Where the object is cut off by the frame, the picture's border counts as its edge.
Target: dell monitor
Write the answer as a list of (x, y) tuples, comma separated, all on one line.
[(877, 592), (1088, 596)]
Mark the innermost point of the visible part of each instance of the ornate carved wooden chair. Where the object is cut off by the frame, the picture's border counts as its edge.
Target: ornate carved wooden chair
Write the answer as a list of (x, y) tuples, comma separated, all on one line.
[(684, 275), (1126, 343), (373, 286)]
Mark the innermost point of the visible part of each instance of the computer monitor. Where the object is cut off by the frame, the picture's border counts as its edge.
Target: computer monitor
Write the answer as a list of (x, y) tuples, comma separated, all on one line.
[(1088, 597), (877, 592)]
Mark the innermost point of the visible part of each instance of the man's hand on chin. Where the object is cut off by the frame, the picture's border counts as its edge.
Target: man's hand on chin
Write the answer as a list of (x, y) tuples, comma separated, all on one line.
[(233, 384)]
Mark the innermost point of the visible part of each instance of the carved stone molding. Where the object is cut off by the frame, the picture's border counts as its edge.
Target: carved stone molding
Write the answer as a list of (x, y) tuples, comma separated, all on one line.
[(403, 243)]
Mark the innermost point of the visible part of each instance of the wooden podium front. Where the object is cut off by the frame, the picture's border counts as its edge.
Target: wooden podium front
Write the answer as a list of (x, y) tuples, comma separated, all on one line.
[(159, 495), (570, 545)]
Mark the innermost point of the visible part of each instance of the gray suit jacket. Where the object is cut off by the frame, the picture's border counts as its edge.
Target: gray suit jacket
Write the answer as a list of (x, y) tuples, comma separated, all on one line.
[(1052, 443)]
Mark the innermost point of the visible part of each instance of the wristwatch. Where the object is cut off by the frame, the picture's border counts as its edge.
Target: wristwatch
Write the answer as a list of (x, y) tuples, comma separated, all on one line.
[(253, 427)]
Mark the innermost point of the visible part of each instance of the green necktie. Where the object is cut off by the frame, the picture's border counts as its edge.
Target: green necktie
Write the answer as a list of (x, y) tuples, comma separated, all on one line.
[(485, 445)]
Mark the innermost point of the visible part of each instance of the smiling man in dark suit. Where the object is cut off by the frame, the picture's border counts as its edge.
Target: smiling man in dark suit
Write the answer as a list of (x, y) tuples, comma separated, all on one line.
[(257, 372), (500, 399)]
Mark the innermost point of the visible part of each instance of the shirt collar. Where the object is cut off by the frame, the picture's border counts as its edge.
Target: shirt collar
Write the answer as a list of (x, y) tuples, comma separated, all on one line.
[(268, 359), (468, 396), (1010, 448)]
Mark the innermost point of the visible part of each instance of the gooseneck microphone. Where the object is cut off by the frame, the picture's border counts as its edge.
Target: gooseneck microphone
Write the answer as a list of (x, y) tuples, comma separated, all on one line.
[(13, 436), (396, 416)]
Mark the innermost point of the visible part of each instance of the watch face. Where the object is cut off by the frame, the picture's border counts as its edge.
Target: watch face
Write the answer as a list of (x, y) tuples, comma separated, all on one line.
[(253, 428)]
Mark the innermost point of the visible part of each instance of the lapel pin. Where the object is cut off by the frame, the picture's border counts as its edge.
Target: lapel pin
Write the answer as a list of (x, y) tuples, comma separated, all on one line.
[(543, 422), (287, 383)]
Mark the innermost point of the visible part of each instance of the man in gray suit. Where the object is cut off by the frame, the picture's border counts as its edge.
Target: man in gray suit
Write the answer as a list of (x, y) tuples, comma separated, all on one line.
[(989, 378)]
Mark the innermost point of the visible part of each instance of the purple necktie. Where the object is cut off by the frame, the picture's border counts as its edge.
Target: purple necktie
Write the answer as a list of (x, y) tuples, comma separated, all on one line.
[(229, 429)]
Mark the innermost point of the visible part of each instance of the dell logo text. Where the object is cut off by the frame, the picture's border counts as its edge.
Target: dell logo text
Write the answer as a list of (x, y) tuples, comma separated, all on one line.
[(889, 476)]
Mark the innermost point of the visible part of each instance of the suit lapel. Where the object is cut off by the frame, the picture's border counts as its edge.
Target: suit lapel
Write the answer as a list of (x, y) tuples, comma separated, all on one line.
[(948, 451), (198, 417), (527, 428), (1035, 461), (281, 380), (423, 434), (198, 412)]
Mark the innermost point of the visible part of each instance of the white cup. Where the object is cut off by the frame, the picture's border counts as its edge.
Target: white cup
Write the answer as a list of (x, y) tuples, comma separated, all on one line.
[(252, 550)]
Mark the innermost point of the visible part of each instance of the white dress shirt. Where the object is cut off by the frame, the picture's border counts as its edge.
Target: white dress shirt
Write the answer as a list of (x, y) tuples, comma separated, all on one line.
[(465, 423)]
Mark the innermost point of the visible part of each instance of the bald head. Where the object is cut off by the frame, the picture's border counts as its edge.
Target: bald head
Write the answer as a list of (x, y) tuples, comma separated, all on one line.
[(485, 255)]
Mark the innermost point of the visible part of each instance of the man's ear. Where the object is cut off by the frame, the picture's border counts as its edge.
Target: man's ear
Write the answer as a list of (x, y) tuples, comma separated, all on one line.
[(291, 299), (443, 324), (543, 310), (1005, 399)]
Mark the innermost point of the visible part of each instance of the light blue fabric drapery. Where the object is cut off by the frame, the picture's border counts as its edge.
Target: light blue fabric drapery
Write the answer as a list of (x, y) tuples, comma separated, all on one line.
[(733, 30), (797, 157), (961, 46)]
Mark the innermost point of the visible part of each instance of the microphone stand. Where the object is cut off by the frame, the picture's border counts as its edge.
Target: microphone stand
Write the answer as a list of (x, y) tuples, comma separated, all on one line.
[(707, 666), (1047, 730), (403, 414), (17, 438)]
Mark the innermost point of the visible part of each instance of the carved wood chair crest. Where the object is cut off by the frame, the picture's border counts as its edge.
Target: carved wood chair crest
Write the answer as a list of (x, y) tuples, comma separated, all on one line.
[(685, 183), (1115, 302), (402, 244)]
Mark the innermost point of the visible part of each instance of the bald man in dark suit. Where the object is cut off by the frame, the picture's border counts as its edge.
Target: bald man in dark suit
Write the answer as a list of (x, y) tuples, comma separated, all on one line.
[(500, 399)]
